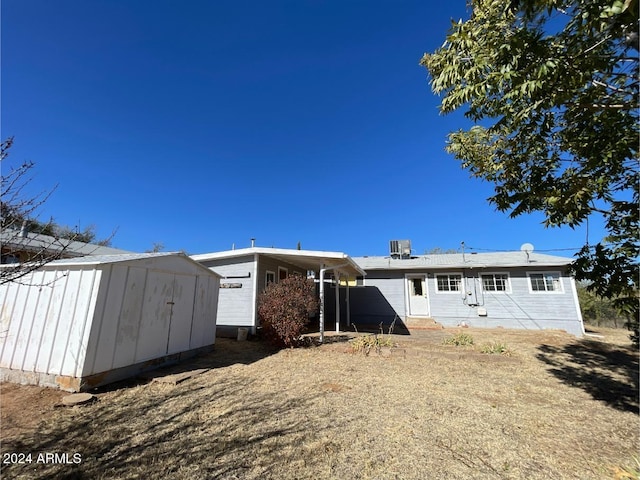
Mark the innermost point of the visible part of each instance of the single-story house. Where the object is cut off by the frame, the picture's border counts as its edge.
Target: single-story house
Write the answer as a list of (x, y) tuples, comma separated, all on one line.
[(246, 272), (21, 246), (502, 289), (83, 322)]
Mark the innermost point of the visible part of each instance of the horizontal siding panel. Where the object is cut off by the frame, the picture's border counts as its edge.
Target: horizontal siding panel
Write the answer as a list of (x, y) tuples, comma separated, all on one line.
[(235, 305)]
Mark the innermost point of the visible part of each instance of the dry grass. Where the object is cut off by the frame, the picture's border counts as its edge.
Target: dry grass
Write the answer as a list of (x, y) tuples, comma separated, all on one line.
[(556, 408)]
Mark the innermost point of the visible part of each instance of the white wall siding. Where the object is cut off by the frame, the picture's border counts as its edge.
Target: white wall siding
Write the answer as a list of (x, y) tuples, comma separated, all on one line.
[(44, 297), (203, 328), (235, 305), (148, 314), (128, 319), (518, 307), (47, 326)]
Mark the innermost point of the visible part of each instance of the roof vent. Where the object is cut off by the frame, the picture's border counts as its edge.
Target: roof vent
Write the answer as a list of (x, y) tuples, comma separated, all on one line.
[(400, 248)]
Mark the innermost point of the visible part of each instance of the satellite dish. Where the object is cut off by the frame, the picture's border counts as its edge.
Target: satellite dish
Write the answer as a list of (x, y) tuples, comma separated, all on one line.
[(527, 248)]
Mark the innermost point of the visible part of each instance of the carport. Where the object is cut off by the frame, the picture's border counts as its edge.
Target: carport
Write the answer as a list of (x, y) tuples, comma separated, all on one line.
[(248, 268)]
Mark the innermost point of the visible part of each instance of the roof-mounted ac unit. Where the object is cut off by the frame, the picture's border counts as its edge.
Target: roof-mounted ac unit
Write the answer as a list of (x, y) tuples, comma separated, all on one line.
[(400, 248)]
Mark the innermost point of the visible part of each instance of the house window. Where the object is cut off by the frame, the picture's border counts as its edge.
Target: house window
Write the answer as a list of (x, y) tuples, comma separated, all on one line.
[(416, 289), (545, 282), (270, 277), (9, 258), (495, 282), (357, 281), (282, 273), (448, 283)]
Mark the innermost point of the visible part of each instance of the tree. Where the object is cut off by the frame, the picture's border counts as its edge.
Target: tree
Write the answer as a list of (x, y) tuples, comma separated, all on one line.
[(551, 88), (596, 310), (440, 251), (18, 211), (284, 309)]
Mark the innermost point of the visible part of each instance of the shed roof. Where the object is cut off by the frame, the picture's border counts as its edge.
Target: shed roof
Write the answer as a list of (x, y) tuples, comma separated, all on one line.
[(459, 260), (304, 259)]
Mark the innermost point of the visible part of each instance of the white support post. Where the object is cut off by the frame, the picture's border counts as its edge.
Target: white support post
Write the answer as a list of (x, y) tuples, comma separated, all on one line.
[(322, 270), (348, 307), (337, 275)]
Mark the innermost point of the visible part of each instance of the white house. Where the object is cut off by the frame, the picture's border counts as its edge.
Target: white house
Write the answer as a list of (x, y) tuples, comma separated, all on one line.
[(246, 272), (500, 289)]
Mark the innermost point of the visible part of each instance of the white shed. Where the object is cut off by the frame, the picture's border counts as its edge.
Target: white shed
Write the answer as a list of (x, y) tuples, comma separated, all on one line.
[(83, 322)]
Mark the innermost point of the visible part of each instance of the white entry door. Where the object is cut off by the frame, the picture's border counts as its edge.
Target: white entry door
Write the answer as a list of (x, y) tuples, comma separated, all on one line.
[(417, 292)]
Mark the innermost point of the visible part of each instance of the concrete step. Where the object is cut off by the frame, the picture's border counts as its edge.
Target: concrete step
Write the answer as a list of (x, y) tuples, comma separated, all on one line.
[(422, 323)]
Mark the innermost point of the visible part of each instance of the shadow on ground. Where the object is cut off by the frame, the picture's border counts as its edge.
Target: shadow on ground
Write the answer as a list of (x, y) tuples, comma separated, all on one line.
[(609, 373), (226, 352), (155, 432)]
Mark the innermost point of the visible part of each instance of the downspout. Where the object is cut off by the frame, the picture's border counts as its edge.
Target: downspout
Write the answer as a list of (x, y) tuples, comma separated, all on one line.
[(254, 294)]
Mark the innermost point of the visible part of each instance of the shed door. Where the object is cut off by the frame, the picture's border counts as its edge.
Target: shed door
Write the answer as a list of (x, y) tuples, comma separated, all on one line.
[(417, 290), (184, 289), (167, 315), (156, 316)]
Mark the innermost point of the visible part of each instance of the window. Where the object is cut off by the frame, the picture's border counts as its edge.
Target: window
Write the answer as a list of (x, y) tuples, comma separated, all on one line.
[(545, 282), (448, 283), (416, 289), (270, 277), (357, 281), (9, 258), (282, 273), (495, 282)]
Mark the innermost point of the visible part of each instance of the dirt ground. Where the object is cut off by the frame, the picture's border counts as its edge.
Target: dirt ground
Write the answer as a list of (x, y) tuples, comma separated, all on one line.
[(555, 407)]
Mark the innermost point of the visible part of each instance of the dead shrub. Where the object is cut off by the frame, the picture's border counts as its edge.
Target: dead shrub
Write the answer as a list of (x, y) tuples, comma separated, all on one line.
[(284, 309)]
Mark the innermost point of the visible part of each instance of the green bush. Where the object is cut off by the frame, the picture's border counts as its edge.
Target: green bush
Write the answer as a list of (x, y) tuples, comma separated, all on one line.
[(284, 309), (459, 339)]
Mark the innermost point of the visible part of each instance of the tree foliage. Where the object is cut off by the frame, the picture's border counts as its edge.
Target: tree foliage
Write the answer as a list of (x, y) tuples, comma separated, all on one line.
[(284, 309), (551, 88), (596, 310)]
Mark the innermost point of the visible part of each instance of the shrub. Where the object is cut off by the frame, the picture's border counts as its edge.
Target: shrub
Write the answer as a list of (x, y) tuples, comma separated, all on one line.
[(459, 339), (284, 309), (367, 343), (495, 348)]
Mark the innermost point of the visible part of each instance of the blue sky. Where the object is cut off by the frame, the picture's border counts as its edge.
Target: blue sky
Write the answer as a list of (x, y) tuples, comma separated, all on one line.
[(200, 125)]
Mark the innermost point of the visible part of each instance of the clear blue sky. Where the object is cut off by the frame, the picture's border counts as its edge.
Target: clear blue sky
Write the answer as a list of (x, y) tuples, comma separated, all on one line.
[(202, 124)]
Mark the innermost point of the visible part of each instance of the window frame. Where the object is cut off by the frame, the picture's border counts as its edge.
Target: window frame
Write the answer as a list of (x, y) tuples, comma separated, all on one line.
[(560, 290), (266, 278), (449, 275), (507, 289), (286, 273)]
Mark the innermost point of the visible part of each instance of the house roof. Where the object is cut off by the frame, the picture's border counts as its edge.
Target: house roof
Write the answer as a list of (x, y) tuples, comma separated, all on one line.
[(458, 261), (303, 259), (37, 242), (102, 259), (126, 257)]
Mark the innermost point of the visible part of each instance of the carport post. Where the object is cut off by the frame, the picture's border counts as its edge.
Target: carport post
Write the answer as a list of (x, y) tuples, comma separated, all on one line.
[(322, 270), (348, 307), (337, 277)]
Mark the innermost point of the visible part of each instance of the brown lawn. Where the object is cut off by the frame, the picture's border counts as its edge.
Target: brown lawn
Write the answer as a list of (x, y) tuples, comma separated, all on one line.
[(557, 407)]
